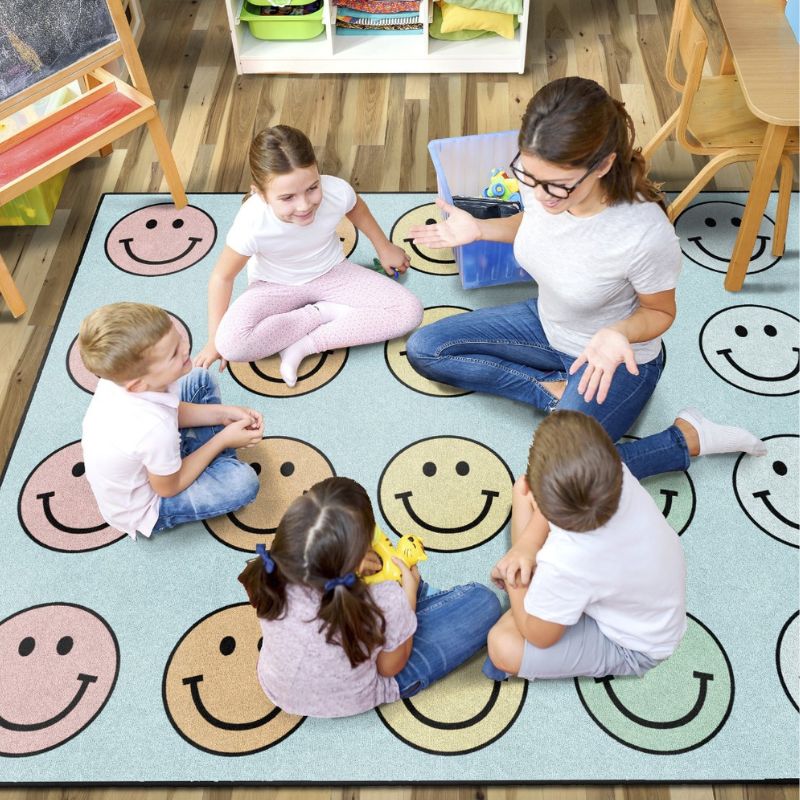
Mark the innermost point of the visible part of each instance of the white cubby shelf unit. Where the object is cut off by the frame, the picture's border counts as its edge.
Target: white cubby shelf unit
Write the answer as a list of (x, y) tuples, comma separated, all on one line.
[(376, 53)]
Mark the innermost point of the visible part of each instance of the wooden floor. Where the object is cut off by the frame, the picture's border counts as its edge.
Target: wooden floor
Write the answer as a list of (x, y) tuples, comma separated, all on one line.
[(372, 131)]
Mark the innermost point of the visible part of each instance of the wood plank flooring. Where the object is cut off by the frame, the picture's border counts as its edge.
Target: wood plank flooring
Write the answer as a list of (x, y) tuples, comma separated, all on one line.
[(371, 130)]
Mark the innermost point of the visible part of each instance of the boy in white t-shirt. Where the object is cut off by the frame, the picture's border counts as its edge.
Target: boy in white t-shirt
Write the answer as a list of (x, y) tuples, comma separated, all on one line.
[(158, 446), (595, 575)]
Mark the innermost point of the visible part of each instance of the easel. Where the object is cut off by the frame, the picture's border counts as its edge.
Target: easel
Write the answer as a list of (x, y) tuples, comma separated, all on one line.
[(108, 109)]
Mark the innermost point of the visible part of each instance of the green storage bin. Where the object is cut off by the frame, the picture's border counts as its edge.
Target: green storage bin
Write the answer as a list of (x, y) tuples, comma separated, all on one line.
[(301, 26), (37, 205)]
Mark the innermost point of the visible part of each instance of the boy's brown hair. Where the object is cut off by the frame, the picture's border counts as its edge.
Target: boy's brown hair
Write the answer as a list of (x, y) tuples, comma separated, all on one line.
[(114, 340), (574, 471)]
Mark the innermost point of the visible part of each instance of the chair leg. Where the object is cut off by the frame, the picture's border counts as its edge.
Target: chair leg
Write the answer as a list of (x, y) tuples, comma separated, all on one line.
[(657, 140), (703, 177), (8, 290), (782, 213)]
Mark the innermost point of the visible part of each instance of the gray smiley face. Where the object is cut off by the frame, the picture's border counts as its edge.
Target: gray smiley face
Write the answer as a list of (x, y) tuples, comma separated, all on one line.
[(754, 348), (766, 488), (708, 232)]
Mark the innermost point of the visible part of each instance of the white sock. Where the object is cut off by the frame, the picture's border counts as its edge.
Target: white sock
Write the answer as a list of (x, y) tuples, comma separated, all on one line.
[(291, 358), (716, 438), (331, 311)]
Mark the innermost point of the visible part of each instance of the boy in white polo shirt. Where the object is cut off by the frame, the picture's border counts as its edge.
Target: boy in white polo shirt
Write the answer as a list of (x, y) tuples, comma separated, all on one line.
[(595, 575), (158, 445)]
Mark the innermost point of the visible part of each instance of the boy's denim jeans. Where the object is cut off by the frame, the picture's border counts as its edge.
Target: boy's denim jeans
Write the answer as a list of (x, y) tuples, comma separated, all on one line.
[(452, 626), (224, 485), (504, 351)]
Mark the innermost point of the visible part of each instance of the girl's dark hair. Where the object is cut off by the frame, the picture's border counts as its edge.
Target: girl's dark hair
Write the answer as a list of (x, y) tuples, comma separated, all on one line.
[(574, 471), (278, 151), (575, 122), (324, 534)]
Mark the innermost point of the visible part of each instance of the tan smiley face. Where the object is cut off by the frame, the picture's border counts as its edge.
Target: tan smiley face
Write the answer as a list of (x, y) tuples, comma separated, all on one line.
[(348, 236), (394, 352), (211, 691), (263, 377), (423, 259), (454, 493), (461, 713), (286, 468)]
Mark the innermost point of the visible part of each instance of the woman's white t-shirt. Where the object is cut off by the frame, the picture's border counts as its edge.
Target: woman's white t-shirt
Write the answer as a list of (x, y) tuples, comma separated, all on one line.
[(289, 254), (629, 575), (590, 269)]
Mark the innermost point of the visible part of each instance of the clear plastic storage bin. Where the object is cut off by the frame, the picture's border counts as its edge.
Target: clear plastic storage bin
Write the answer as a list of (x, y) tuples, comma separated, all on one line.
[(463, 165)]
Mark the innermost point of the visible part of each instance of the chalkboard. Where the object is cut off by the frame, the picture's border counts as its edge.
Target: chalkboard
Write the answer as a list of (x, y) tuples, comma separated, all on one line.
[(40, 37)]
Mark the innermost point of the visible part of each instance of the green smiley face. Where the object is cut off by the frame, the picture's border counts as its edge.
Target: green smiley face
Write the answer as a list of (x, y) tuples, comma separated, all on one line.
[(673, 493), (677, 706)]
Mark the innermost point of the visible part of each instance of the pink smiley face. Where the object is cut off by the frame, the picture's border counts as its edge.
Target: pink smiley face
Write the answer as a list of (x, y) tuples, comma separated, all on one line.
[(160, 239), (59, 664), (88, 380), (57, 508)]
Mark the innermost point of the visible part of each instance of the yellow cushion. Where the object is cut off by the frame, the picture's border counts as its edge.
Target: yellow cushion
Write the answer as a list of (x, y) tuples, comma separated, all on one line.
[(458, 18)]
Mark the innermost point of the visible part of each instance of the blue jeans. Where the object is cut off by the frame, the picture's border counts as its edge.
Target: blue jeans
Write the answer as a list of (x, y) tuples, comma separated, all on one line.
[(504, 351), (452, 626), (224, 485)]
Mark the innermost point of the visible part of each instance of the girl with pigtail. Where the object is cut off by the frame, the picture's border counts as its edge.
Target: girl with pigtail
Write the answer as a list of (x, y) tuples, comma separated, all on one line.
[(595, 238), (334, 646)]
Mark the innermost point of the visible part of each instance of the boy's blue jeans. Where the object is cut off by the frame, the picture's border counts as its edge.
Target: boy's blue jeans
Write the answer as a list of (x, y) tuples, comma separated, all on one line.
[(224, 485), (452, 626), (504, 350)]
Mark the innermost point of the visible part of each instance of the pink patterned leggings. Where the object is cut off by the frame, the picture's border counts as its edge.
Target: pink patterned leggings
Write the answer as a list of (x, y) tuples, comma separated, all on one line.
[(269, 317)]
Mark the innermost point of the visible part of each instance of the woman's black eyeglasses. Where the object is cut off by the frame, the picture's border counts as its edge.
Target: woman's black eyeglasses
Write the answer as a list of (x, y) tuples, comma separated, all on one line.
[(553, 189)]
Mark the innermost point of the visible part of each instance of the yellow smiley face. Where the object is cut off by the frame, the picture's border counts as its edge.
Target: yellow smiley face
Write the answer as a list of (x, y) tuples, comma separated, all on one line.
[(286, 468), (395, 354), (461, 713), (348, 236), (423, 259), (452, 492), (211, 691)]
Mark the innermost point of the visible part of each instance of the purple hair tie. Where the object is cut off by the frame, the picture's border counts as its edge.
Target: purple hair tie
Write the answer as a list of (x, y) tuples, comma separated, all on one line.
[(346, 580), (269, 564)]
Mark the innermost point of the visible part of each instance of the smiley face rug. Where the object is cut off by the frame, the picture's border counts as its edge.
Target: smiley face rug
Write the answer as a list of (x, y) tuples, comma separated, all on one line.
[(133, 661)]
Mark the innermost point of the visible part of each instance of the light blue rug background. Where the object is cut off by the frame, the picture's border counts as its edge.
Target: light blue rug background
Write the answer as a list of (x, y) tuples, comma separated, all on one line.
[(742, 583)]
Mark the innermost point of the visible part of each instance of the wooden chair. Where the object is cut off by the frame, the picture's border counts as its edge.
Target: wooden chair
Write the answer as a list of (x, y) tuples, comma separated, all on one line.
[(713, 119)]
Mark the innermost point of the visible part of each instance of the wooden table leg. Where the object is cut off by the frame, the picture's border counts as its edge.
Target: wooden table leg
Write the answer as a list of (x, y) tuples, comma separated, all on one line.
[(763, 178), (8, 289)]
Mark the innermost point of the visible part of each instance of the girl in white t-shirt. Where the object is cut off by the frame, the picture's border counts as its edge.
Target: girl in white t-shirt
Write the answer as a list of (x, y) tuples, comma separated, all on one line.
[(595, 575), (332, 645), (303, 296)]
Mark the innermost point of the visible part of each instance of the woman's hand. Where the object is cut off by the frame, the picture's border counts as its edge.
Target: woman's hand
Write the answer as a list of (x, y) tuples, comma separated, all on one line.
[(604, 353), (459, 228), (208, 355), (393, 259)]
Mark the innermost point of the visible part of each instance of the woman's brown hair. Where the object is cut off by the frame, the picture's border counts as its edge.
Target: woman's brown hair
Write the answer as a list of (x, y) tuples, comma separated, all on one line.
[(324, 534), (574, 471), (278, 151), (574, 122)]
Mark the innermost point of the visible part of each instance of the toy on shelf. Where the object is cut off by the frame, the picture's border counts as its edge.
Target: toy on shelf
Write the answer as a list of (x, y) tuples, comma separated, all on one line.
[(502, 187), (409, 549)]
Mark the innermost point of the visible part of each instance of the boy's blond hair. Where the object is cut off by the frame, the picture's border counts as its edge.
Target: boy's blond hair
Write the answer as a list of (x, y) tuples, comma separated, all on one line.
[(574, 471), (114, 340)]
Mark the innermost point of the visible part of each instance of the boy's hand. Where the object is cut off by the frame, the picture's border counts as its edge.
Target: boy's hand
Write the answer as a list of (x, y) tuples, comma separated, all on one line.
[(393, 258), (514, 569), (237, 413), (241, 434), (208, 355)]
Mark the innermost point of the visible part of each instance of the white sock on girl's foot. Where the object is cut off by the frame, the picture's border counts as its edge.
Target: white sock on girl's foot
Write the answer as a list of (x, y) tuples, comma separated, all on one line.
[(716, 438), (291, 357), (331, 311)]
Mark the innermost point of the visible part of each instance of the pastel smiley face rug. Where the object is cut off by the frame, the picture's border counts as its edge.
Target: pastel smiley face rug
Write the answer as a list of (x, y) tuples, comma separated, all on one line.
[(134, 661)]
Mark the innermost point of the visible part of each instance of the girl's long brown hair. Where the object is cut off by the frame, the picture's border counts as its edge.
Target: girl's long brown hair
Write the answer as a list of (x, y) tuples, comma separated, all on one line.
[(278, 151), (574, 122), (324, 534)]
